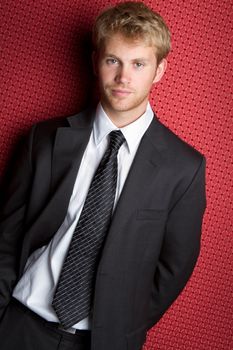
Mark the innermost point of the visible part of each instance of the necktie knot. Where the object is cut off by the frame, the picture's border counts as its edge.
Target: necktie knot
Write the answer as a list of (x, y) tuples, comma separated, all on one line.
[(116, 139)]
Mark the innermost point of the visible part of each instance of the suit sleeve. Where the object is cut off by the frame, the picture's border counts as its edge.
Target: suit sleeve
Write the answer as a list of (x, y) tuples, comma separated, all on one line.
[(12, 214), (180, 247)]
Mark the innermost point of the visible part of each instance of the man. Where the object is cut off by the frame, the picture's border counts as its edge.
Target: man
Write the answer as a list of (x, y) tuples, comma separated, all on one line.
[(101, 227)]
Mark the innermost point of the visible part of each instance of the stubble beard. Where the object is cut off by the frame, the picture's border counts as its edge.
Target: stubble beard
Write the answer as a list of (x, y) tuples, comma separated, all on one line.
[(124, 104)]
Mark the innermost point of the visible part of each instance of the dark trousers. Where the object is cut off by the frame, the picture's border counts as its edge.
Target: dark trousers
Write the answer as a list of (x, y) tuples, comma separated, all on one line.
[(22, 329)]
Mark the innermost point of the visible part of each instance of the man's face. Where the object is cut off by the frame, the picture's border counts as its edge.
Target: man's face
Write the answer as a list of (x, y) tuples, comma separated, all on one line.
[(126, 71)]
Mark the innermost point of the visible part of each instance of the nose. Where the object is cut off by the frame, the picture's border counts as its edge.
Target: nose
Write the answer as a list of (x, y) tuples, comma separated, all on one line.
[(122, 75)]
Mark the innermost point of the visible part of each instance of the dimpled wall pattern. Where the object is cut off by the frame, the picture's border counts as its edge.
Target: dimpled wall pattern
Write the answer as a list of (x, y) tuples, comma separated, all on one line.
[(46, 73)]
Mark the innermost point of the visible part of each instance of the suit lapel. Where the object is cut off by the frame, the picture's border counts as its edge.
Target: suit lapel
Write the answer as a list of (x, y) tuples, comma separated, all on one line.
[(69, 146), (143, 174), (67, 154)]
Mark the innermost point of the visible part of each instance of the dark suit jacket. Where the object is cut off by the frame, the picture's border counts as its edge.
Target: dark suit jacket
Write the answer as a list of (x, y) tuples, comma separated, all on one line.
[(154, 239)]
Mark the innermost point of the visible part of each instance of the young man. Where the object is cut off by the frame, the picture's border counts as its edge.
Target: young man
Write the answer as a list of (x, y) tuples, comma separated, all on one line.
[(101, 227)]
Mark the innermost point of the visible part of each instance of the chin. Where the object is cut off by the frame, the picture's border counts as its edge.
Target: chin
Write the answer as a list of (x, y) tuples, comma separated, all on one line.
[(121, 106)]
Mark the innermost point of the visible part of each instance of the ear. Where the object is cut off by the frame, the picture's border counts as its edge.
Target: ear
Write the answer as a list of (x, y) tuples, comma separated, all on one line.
[(161, 68), (94, 58)]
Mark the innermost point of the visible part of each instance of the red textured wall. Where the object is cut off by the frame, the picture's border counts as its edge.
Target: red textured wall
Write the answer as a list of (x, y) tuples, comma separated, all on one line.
[(46, 73)]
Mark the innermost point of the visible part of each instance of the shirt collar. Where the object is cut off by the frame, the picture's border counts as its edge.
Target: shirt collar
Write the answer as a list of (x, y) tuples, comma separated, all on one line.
[(132, 132)]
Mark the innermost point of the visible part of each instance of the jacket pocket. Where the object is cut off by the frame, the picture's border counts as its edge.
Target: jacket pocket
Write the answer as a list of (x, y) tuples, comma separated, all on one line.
[(136, 339), (151, 214)]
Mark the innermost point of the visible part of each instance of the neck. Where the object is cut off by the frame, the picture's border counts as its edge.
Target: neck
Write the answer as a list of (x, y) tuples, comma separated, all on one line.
[(126, 117)]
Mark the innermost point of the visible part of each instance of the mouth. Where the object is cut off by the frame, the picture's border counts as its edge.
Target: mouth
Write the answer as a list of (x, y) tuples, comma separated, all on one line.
[(120, 92)]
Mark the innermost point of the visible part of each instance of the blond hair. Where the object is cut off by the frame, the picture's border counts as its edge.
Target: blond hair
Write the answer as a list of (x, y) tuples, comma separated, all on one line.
[(135, 21)]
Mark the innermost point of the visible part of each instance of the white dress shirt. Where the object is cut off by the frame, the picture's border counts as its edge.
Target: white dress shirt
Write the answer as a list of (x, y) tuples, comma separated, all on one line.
[(36, 287)]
